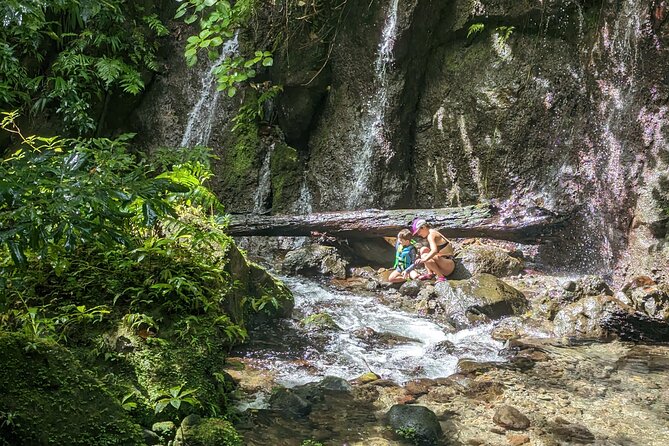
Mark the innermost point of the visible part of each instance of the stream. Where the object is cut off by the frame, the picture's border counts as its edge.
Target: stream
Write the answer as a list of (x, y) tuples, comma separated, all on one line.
[(368, 336)]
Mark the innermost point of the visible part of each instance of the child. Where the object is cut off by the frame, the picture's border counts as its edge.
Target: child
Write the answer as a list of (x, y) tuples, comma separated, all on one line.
[(405, 256)]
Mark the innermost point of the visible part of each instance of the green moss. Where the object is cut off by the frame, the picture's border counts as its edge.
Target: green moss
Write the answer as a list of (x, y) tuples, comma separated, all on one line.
[(211, 432), (286, 176), (319, 321), (47, 398)]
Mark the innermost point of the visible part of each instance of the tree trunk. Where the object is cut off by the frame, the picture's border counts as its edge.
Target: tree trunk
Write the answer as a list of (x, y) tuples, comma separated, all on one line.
[(469, 221)]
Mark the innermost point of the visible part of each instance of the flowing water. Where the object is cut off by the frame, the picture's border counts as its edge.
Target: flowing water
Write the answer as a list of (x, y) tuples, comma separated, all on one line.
[(261, 199), (403, 346), (374, 132), (201, 118)]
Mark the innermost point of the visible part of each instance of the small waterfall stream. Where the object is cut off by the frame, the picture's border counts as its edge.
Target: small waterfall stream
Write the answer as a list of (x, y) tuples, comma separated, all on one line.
[(603, 162), (201, 118), (405, 346), (264, 183), (374, 132)]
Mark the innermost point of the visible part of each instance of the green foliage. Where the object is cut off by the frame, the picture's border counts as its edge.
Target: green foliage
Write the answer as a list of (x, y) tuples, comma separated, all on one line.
[(503, 33), (68, 54), (408, 433), (253, 109), (175, 397), (57, 194), (311, 443), (218, 20), (474, 29)]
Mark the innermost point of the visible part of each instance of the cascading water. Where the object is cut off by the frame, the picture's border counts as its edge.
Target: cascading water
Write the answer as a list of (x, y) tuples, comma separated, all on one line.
[(201, 118), (602, 161), (264, 183), (409, 346), (374, 126)]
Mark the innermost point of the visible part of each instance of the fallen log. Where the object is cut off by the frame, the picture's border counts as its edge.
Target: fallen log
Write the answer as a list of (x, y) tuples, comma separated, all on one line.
[(462, 222)]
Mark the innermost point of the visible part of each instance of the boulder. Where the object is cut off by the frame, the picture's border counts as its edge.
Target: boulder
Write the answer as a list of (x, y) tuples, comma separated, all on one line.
[(510, 418), (315, 259), (411, 288), (53, 399), (417, 423), (489, 259), (206, 432), (517, 327), (481, 298), (335, 384), (585, 318), (290, 404)]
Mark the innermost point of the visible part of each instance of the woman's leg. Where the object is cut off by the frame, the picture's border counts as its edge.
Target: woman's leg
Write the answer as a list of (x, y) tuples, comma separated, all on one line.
[(443, 267), (429, 265)]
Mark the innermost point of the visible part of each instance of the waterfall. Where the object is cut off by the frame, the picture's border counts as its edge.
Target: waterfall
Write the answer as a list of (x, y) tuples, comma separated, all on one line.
[(201, 118), (374, 132), (603, 162), (264, 183), (303, 204)]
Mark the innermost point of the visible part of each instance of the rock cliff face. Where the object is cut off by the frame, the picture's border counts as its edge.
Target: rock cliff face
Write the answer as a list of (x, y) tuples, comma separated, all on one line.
[(543, 106)]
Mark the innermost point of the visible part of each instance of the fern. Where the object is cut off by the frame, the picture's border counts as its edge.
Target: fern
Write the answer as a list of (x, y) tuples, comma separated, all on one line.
[(132, 82), (474, 29), (109, 70), (156, 25)]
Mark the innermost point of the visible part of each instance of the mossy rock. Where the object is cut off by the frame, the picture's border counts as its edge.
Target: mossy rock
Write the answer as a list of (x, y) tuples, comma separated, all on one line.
[(47, 398), (208, 432), (319, 321)]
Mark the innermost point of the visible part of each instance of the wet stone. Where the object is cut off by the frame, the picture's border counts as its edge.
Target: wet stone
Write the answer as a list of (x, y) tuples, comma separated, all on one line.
[(419, 419), (510, 418), (411, 288), (335, 384), (290, 404)]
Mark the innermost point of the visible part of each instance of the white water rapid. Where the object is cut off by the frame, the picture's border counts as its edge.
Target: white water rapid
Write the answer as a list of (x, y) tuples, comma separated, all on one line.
[(374, 132), (201, 118), (406, 346)]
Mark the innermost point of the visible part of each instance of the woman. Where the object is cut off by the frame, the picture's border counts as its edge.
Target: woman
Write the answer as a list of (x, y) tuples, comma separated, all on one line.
[(438, 258)]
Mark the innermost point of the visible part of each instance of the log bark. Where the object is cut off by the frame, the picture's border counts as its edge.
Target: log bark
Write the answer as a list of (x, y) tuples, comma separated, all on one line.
[(469, 221)]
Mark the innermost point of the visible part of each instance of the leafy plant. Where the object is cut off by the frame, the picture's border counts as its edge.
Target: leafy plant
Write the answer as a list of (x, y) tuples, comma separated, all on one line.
[(70, 55), (311, 443), (503, 33), (474, 29), (408, 433), (175, 397), (253, 109), (57, 194), (218, 20)]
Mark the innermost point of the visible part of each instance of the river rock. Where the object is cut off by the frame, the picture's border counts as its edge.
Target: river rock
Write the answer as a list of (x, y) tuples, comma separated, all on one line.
[(150, 437), (419, 420), (335, 384), (411, 288), (480, 298), (585, 318), (315, 259), (290, 404), (510, 418), (516, 327), (571, 433), (489, 259)]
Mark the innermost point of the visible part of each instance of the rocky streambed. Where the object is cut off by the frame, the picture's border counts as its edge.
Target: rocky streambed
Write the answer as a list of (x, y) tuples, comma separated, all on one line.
[(529, 358)]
